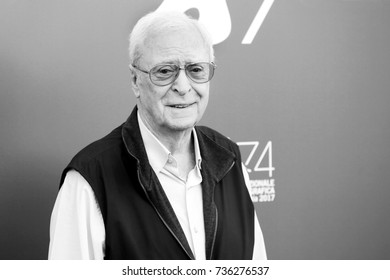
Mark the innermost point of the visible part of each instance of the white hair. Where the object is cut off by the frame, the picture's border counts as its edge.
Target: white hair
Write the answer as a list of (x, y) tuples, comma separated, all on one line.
[(157, 22)]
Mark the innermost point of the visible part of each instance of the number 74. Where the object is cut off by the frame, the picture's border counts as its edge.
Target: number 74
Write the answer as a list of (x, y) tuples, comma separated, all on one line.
[(267, 149)]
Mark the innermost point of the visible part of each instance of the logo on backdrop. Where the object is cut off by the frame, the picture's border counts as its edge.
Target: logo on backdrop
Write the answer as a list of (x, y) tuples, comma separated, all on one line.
[(216, 17), (258, 162)]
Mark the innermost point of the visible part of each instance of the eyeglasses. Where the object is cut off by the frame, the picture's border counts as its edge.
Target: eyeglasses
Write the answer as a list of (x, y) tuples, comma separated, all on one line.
[(165, 74)]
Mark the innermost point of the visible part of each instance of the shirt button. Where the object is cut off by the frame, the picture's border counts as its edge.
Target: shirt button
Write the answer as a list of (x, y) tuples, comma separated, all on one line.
[(195, 229)]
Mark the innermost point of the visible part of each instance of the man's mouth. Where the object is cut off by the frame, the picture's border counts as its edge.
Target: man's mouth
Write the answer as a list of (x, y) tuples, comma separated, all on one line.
[(180, 106)]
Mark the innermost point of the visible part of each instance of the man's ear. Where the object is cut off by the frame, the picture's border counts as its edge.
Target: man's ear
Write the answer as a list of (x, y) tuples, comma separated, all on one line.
[(134, 81)]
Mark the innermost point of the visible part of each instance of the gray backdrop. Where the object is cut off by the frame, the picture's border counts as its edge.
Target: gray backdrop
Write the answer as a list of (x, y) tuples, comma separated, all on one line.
[(314, 82)]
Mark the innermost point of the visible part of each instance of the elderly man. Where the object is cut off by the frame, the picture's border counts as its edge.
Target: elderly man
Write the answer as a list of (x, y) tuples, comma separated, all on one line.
[(158, 186)]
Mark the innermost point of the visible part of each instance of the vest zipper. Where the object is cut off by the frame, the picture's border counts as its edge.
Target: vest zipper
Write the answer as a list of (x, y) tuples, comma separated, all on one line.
[(216, 215), (161, 218), (215, 230)]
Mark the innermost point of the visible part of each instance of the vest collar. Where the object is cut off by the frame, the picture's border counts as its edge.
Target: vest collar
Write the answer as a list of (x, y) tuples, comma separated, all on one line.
[(158, 154), (214, 157)]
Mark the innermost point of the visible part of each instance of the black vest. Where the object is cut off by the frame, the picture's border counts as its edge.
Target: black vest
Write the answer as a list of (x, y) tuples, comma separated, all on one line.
[(139, 220)]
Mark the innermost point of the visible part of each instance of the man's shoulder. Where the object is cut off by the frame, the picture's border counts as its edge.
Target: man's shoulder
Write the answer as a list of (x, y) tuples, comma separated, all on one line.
[(92, 156), (105, 145), (217, 137)]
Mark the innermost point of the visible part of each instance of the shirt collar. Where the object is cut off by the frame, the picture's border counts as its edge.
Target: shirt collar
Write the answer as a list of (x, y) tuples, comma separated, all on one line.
[(157, 153), (198, 157)]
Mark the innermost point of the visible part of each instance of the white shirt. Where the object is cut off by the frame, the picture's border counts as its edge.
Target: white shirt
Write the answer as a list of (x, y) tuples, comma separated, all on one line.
[(77, 228)]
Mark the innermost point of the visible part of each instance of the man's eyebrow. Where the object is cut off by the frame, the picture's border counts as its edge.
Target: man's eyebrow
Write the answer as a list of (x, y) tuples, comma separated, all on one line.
[(170, 62), (178, 61)]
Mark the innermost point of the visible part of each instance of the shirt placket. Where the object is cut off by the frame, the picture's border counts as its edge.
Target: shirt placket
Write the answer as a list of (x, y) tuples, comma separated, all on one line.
[(194, 206)]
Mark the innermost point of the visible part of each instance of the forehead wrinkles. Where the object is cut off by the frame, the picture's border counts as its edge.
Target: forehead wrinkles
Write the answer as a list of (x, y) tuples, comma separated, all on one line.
[(179, 44)]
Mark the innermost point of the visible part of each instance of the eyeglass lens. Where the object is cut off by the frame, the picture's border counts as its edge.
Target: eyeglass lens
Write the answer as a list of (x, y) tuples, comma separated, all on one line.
[(198, 72)]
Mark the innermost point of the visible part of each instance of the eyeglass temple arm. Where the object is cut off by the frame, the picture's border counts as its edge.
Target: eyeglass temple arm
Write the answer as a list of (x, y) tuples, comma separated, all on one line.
[(135, 67)]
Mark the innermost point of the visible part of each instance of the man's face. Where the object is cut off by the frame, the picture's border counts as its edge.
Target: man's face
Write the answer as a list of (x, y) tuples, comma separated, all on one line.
[(180, 105)]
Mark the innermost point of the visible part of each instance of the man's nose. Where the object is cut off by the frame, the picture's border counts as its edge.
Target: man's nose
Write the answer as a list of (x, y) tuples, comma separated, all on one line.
[(182, 84)]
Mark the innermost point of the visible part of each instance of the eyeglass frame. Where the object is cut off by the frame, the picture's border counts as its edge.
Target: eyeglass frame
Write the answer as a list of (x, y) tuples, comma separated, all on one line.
[(184, 67)]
